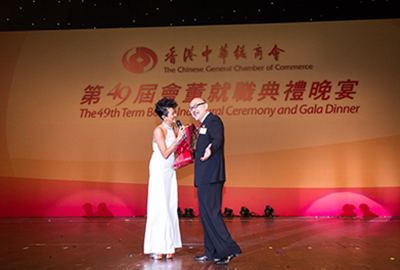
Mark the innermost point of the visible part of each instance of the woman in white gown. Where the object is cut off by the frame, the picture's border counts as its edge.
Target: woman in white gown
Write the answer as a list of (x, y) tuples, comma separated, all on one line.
[(162, 234)]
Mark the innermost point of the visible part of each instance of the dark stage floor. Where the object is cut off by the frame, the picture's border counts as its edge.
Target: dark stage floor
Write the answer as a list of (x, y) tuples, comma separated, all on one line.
[(267, 243)]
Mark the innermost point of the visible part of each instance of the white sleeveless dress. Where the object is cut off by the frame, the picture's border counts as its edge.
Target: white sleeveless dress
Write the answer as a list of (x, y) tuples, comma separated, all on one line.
[(162, 233)]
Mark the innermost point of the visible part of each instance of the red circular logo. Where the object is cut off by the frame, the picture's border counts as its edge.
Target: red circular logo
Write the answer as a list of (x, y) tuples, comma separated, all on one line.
[(139, 60)]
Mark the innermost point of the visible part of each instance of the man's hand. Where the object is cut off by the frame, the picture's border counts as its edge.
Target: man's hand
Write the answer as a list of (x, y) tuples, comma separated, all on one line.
[(207, 153)]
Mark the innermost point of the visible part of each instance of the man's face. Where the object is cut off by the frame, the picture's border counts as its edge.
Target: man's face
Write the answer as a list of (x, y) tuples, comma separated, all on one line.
[(198, 108)]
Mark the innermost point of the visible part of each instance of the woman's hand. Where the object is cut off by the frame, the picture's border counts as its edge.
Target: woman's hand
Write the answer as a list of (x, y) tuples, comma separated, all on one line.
[(181, 133)]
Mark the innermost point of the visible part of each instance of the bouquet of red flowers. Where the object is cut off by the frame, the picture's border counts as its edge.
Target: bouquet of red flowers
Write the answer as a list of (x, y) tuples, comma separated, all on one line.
[(184, 150)]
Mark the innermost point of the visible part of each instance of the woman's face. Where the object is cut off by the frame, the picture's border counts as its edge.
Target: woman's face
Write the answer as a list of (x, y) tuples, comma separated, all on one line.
[(170, 118)]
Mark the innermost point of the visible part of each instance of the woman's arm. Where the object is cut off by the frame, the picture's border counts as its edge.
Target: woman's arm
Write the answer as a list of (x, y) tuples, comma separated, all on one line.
[(159, 137)]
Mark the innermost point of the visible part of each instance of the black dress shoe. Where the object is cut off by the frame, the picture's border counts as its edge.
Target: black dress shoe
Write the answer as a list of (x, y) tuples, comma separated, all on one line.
[(202, 258), (226, 260)]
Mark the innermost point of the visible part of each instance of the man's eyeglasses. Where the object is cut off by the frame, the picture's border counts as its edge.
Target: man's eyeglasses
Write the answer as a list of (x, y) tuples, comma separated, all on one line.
[(195, 106)]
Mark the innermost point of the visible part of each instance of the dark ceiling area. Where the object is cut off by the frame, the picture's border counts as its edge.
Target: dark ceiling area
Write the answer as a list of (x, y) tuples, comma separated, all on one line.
[(17, 15)]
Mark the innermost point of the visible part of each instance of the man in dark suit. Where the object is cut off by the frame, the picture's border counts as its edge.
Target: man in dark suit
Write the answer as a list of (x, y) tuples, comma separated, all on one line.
[(209, 178)]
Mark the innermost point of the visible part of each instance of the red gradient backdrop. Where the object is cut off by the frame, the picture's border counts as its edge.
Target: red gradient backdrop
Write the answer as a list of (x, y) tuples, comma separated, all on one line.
[(55, 198), (76, 124)]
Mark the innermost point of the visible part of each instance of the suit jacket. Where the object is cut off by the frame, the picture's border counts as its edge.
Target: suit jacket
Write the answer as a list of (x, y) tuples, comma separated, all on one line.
[(213, 169)]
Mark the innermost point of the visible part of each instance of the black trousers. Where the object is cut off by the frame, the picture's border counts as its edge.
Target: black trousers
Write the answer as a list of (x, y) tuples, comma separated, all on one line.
[(217, 240)]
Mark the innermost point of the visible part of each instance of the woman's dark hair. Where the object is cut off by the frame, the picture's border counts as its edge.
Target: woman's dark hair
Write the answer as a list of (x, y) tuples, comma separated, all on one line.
[(162, 106)]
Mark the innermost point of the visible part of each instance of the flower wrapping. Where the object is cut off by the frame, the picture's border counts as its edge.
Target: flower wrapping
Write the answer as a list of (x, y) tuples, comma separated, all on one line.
[(184, 150)]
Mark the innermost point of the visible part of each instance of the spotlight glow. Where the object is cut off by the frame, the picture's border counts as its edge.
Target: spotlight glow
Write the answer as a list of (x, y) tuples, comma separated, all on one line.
[(346, 204)]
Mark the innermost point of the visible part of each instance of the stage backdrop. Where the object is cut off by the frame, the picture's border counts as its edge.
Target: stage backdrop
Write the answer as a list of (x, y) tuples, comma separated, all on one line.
[(311, 114)]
